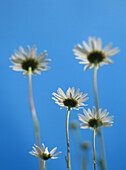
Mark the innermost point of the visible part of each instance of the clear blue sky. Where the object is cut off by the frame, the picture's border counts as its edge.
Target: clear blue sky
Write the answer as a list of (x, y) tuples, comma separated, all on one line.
[(57, 26)]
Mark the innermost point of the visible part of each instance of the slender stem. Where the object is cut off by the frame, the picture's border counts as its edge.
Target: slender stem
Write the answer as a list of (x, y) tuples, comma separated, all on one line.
[(95, 87), (103, 167), (84, 164), (68, 144), (44, 164), (35, 120), (94, 149), (85, 158)]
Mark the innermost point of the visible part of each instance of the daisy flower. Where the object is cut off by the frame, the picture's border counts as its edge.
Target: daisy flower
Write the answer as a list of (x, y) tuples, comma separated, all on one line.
[(93, 53), (72, 99), (95, 119), (24, 60), (43, 153)]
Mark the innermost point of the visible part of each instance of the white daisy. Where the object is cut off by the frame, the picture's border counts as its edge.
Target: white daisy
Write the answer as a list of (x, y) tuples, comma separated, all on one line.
[(44, 153), (94, 54), (24, 60), (72, 99), (95, 119)]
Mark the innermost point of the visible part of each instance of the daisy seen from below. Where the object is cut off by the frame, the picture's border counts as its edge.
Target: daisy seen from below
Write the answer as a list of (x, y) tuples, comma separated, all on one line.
[(93, 120), (28, 62), (71, 100), (92, 54), (24, 60), (43, 153)]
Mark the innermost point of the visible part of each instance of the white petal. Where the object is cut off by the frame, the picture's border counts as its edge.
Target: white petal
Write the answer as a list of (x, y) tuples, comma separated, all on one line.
[(83, 100), (86, 46), (43, 148), (84, 126), (94, 112), (61, 93), (107, 61), (99, 44), (68, 93), (92, 43), (53, 150), (23, 52), (38, 149), (57, 100), (33, 153), (104, 115), (107, 119), (76, 94), (25, 73), (46, 150), (87, 114), (45, 62), (107, 47), (54, 157), (73, 90), (84, 62), (33, 52), (43, 68), (19, 55), (63, 107), (82, 118), (57, 154), (58, 96), (28, 51), (112, 52), (16, 68), (16, 60), (79, 50), (107, 124), (87, 66), (42, 56), (37, 72)]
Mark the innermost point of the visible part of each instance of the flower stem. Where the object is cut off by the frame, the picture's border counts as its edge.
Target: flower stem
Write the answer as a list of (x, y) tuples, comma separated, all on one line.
[(34, 116), (95, 87), (44, 164), (68, 144), (103, 167), (94, 149)]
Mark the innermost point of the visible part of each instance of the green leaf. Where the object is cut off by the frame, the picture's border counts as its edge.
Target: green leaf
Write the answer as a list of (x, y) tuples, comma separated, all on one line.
[(66, 161)]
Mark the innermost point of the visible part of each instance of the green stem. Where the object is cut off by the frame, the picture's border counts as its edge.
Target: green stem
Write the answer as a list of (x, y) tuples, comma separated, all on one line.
[(68, 144), (44, 164), (94, 149), (34, 116), (103, 167)]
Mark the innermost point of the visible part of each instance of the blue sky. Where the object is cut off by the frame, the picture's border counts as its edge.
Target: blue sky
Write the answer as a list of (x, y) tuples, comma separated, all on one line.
[(57, 26)]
